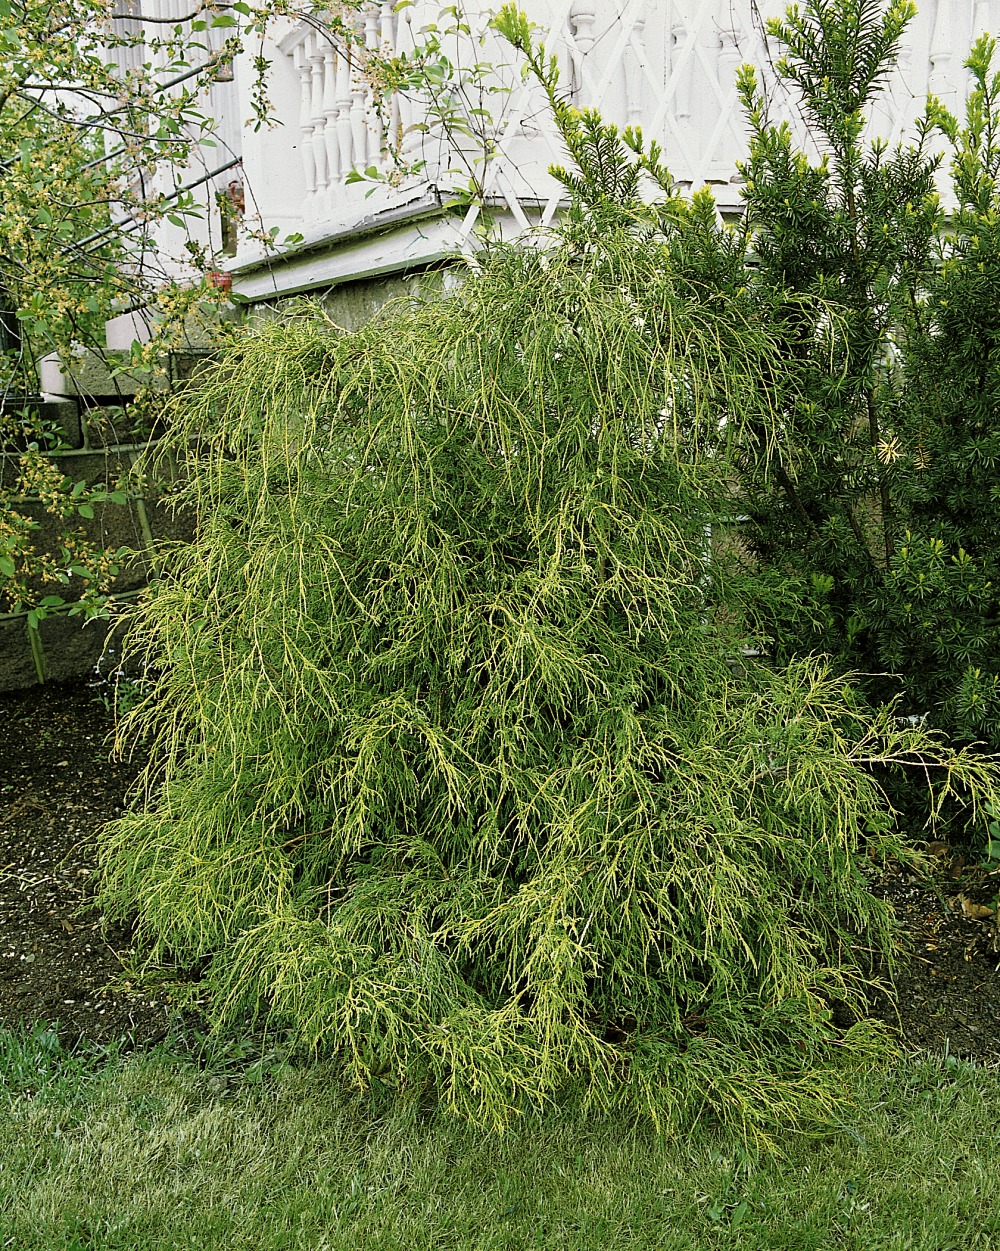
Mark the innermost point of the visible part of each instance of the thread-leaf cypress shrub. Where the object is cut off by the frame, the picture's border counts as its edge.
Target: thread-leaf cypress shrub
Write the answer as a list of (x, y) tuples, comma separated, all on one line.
[(460, 771)]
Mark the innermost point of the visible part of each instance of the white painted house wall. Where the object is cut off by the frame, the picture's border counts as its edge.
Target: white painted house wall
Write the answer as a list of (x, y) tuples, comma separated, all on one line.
[(667, 65)]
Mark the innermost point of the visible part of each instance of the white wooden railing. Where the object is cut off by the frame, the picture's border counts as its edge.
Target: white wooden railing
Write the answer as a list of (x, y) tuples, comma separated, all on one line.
[(339, 125), (667, 65)]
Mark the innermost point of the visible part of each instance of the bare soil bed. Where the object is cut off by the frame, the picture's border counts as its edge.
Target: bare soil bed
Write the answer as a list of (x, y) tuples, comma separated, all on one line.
[(60, 963)]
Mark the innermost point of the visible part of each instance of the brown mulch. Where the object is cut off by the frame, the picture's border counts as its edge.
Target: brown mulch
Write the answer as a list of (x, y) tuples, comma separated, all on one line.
[(58, 963), (947, 992)]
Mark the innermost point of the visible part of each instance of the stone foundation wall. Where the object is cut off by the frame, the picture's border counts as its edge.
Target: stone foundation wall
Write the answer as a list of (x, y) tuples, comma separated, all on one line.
[(89, 399)]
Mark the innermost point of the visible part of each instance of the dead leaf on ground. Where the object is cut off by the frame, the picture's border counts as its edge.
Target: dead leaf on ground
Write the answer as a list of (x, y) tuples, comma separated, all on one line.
[(974, 911)]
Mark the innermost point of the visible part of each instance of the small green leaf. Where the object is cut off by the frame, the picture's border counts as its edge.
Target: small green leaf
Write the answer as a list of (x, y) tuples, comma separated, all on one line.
[(85, 510)]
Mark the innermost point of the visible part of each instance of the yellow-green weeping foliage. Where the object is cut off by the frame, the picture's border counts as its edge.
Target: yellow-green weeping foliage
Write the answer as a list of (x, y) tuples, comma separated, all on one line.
[(454, 774)]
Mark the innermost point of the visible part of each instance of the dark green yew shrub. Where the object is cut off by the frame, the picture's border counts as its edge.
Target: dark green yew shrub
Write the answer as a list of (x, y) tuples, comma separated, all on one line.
[(459, 768), (882, 503)]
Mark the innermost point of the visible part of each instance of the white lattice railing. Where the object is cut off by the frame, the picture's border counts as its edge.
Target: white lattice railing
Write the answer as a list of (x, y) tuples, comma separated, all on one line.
[(667, 65)]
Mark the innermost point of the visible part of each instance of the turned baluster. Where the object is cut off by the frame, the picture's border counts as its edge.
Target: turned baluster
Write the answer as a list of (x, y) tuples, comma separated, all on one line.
[(635, 64), (403, 136), (305, 118), (681, 74), (729, 145), (359, 107), (730, 59), (373, 121), (904, 62), (387, 20), (344, 102), (387, 24), (581, 25), (331, 144), (941, 83), (318, 118)]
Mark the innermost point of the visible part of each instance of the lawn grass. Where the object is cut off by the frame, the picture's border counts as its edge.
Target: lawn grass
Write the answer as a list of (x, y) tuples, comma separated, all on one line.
[(105, 1153)]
